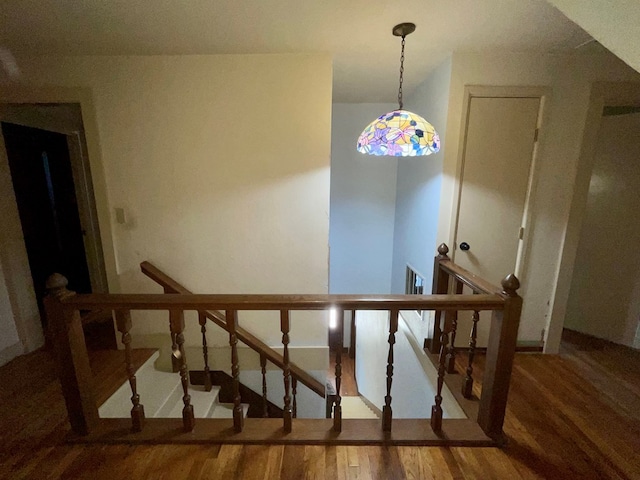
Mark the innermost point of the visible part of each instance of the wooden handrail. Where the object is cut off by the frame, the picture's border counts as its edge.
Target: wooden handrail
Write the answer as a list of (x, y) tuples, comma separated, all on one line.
[(217, 317), (502, 339), (471, 280), (444, 270), (200, 302), (172, 286), (63, 312)]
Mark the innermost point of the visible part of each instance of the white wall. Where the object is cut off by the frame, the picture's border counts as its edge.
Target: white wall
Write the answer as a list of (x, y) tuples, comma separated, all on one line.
[(222, 166), (363, 195), (10, 345), (614, 24), (20, 313), (7, 326), (570, 78), (604, 299), (418, 187), (414, 377)]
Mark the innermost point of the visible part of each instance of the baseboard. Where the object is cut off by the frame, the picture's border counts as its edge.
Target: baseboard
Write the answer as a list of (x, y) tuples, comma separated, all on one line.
[(10, 353), (521, 347)]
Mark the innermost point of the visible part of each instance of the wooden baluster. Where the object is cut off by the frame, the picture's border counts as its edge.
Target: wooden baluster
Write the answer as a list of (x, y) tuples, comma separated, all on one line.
[(286, 371), (337, 408), (177, 330), (175, 358), (387, 413), (440, 285), (74, 370), (263, 367), (123, 322), (436, 410), (202, 319), (238, 415), (294, 390), (451, 355), (352, 339), (467, 386)]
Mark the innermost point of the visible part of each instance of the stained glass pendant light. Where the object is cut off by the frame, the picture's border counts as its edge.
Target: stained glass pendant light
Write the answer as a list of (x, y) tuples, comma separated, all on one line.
[(399, 133)]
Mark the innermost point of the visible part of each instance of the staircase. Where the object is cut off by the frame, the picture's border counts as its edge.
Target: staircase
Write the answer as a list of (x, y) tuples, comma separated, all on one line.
[(166, 394), (355, 407), (163, 397)]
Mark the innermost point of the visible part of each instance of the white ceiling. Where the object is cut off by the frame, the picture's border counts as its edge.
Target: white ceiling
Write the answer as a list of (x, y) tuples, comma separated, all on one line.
[(356, 32)]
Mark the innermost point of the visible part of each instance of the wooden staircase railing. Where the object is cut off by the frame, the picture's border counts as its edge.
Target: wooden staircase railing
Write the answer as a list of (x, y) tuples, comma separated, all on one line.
[(172, 286), (448, 276), (63, 309)]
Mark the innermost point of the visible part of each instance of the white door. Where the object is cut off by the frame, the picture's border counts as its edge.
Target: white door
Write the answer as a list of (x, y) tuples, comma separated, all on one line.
[(500, 138)]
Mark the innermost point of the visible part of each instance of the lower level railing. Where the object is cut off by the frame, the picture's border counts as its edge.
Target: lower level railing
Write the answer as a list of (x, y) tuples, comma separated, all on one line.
[(63, 310)]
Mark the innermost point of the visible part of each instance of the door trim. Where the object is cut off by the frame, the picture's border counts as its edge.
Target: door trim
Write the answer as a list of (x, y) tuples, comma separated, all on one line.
[(66, 119), (28, 322), (481, 91)]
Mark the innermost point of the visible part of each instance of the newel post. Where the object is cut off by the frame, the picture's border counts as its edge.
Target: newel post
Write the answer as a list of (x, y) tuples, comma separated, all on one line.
[(499, 361), (440, 286), (74, 370)]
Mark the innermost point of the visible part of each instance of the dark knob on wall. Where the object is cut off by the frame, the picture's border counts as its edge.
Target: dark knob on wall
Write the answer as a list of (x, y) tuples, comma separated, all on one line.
[(464, 246)]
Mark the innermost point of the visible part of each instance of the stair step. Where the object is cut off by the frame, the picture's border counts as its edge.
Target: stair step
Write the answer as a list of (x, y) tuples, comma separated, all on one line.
[(161, 394), (153, 387), (225, 410), (204, 403), (355, 407)]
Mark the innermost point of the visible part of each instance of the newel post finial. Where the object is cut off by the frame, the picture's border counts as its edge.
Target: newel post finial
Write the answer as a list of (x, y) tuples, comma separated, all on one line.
[(443, 250), (56, 286), (510, 284)]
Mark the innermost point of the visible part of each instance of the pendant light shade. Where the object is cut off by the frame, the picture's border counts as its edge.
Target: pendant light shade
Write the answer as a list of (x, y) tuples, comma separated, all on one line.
[(399, 133)]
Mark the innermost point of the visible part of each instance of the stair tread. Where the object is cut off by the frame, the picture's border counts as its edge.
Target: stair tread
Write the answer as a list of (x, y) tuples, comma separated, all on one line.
[(203, 402), (160, 393), (149, 382), (355, 407), (225, 410)]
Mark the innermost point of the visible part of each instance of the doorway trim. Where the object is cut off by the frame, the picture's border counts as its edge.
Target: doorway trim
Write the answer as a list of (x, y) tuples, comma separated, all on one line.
[(23, 305), (483, 91), (602, 94), (66, 119)]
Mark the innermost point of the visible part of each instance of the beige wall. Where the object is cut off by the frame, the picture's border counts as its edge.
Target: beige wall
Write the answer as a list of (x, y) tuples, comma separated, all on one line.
[(570, 79), (19, 308), (604, 299), (221, 164), (9, 342)]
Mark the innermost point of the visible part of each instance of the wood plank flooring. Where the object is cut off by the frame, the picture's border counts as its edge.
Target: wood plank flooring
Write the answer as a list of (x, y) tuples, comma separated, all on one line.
[(574, 415), (348, 385)]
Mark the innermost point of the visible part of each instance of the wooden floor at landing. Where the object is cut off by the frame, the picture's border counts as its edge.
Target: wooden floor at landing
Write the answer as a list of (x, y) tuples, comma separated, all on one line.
[(575, 415)]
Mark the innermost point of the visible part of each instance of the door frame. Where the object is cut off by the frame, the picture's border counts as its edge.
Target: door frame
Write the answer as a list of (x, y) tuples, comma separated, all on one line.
[(482, 91), (66, 119), (602, 94), (23, 302)]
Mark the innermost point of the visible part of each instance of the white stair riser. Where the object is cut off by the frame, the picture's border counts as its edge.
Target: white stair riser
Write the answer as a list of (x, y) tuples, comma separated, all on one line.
[(161, 394)]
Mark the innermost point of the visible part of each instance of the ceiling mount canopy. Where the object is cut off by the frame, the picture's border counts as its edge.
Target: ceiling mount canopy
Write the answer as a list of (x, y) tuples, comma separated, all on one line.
[(399, 133)]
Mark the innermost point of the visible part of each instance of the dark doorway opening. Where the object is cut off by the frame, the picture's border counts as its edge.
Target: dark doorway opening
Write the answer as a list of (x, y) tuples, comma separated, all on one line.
[(42, 179)]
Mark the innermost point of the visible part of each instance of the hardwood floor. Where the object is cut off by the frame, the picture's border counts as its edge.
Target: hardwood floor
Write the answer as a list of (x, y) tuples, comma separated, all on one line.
[(575, 415), (348, 385)]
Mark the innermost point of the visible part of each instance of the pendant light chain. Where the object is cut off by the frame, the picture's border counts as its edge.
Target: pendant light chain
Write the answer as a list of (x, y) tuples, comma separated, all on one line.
[(401, 73)]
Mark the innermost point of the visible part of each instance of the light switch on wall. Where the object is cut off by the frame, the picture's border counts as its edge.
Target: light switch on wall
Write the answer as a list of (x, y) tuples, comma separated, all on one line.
[(121, 216)]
